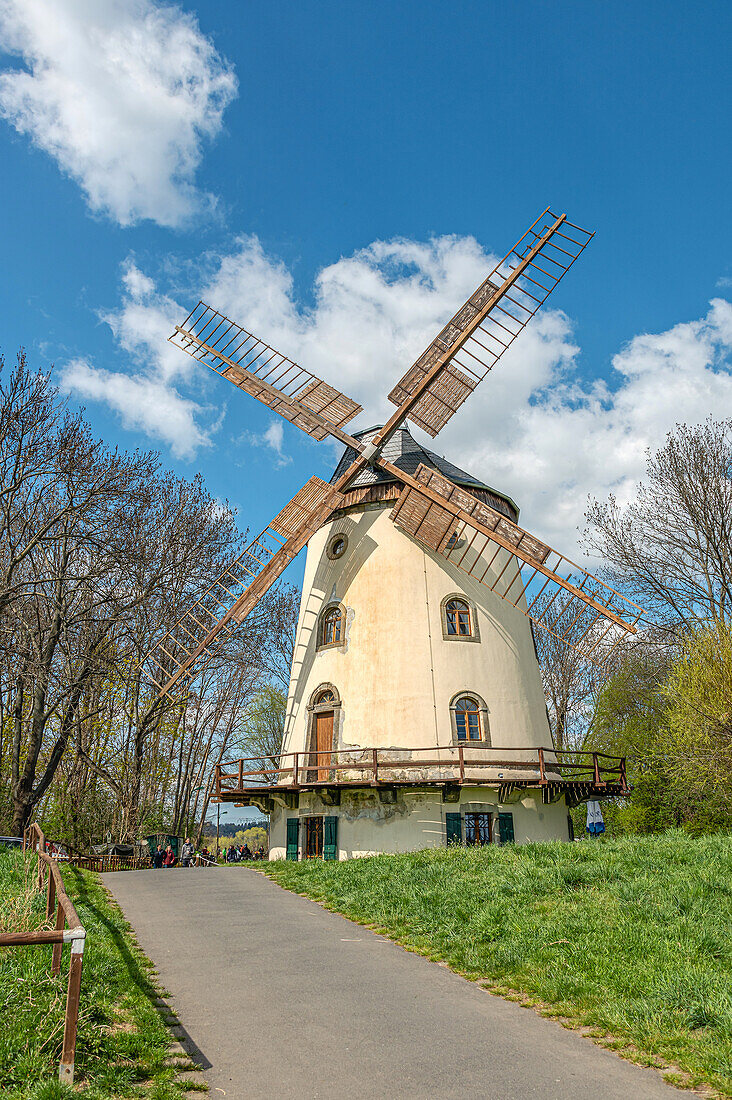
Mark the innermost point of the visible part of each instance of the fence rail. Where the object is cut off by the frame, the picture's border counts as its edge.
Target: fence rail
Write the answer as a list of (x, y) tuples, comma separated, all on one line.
[(110, 863), (462, 763), (69, 929)]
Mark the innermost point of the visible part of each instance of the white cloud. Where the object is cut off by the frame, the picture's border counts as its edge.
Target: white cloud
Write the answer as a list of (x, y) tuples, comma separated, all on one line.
[(148, 398), (272, 440), (551, 439), (535, 428), (144, 404), (373, 313), (123, 94), (143, 322)]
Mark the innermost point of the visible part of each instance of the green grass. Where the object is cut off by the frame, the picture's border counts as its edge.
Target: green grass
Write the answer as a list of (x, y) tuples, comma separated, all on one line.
[(122, 1042), (631, 938)]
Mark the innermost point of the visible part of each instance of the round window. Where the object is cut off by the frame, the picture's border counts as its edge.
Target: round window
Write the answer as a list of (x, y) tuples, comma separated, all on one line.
[(337, 546)]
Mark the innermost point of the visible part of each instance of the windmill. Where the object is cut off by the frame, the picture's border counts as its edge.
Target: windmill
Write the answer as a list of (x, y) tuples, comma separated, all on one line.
[(540, 582)]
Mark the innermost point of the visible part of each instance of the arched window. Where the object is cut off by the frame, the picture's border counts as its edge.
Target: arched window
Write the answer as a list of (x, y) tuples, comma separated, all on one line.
[(459, 618), (331, 626), (467, 719), (326, 696), (457, 615)]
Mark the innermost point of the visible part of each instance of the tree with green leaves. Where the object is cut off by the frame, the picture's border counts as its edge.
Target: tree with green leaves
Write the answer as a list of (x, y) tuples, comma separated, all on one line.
[(698, 725), (263, 728)]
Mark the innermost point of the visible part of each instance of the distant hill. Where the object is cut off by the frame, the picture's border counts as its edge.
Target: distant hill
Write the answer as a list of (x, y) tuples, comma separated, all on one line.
[(231, 828)]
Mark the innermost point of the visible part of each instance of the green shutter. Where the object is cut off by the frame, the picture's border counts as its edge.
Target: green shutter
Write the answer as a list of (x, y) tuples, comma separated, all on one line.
[(330, 838), (453, 828), (292, 831), (505, 828)]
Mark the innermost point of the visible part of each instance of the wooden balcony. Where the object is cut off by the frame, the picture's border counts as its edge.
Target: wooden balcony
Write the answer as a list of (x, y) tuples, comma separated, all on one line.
[(576, 775)]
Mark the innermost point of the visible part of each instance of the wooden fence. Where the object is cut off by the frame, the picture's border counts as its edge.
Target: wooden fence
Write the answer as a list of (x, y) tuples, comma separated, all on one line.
[(75, 934)]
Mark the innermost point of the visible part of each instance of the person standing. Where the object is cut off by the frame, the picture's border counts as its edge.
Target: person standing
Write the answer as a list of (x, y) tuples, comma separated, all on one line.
[(158, 857), (169, 858), (187, 853)]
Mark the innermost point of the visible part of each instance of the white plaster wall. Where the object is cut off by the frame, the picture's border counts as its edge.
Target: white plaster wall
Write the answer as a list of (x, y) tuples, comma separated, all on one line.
[(419, 822), (395, 673)]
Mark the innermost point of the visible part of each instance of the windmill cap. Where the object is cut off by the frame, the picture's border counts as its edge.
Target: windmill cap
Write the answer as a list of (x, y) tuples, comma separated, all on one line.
[(404, 452)]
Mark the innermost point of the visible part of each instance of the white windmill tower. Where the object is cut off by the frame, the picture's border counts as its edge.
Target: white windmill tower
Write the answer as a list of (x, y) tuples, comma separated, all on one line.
[(415, 715)]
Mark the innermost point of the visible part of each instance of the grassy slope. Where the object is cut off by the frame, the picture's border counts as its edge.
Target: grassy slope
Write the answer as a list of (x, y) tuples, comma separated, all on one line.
[(122, 1040), (632, 936)]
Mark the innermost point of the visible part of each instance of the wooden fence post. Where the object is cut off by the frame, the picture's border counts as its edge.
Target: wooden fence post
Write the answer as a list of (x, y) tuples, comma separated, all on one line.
[(66, 1068), (51, 895), (58, 947)]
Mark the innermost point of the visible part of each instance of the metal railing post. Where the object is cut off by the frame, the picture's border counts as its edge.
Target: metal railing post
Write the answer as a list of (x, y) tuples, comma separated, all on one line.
[(542, 773), (296, 770), (461, 757), (375, 761)]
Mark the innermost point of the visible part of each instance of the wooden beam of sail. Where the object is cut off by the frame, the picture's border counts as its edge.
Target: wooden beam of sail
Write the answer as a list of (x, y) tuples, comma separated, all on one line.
[(556, 594), (172, 652), (198, 635), (277, 381), (434, 388)]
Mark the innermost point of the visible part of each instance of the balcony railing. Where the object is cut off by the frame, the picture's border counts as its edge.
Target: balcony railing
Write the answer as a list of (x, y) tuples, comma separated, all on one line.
[(465, 763)]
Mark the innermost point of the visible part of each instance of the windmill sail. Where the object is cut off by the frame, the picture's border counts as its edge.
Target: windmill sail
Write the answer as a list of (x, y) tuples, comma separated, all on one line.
[(198, 635), (556, 594), (460, 357), (255, 367)]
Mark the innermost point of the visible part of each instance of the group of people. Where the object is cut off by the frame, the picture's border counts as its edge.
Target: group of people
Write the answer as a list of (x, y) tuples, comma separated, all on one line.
[(168, 857), (235, 853)]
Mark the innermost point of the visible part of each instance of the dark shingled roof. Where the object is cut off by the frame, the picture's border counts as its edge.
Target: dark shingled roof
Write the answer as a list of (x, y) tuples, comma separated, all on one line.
[(403, 451)]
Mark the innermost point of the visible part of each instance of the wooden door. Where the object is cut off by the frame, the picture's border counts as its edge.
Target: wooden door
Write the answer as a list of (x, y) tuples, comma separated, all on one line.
[(323, 743)]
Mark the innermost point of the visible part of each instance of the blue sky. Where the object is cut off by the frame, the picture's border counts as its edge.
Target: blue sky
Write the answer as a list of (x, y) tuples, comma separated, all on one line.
[(337, 176)]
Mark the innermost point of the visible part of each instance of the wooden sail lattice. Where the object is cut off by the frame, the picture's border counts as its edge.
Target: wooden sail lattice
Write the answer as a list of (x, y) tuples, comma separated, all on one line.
[(489, 321), (302, 507), (200, 631), (257, 368), (543, 584), (204, 628)]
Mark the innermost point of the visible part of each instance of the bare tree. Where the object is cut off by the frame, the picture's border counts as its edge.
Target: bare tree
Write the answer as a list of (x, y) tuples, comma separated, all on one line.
[(41, 445), (99, 553), (670, 549), (281, 608), (59, 627)]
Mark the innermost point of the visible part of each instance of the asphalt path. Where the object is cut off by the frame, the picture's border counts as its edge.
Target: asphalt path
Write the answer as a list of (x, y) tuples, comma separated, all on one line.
[(280, 998)]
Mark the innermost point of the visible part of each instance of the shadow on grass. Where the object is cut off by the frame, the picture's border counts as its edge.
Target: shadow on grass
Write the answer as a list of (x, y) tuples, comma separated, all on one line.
[(135, 971)]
